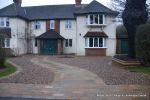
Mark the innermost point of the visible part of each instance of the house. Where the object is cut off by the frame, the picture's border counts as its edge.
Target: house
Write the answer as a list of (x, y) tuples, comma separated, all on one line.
[(80, 29)]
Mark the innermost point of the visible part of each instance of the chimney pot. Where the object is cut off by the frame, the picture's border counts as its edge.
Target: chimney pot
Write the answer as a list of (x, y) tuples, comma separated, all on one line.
[(18, 2), (78, 2)]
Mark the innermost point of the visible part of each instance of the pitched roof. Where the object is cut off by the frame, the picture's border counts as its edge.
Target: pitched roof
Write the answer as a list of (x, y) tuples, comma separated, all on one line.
[(50, 34), (53, 11), (95, 34), (13, 10), (95, 7)]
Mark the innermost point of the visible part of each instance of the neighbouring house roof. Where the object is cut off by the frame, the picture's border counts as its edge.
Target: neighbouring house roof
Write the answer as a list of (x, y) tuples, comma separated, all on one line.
[(96, 7), (5, 32), (13, 11), (67, 11), (121, 32), (95, 34), (50, 34)]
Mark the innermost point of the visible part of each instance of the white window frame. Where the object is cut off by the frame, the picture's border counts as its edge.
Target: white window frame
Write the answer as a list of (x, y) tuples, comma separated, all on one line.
[(68, 42), (87, 42), (5, 43), (52, 24), (37, 25), (68, 24), (5, 21), (93, 22)]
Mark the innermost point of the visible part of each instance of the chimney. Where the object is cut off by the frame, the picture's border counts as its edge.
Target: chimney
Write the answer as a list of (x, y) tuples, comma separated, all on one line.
[(78, 3), (18, 2)]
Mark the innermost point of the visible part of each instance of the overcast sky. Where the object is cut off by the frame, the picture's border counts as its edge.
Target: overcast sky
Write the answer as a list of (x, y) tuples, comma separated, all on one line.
[(4, 3)]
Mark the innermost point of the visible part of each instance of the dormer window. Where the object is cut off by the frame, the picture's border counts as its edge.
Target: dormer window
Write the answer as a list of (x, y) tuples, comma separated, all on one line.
[(4, 22), (96, 19)]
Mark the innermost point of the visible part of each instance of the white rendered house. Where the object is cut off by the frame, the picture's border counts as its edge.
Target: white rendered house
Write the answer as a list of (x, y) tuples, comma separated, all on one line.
[(80, 29)]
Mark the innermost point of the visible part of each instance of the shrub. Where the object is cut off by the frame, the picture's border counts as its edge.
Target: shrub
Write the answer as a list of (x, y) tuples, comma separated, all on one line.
[(142, 44), (148, 21), (121, 30), (2, 54)]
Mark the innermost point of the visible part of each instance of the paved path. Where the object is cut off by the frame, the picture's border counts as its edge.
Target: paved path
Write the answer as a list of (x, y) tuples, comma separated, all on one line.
[(102, 66), (72, 83)]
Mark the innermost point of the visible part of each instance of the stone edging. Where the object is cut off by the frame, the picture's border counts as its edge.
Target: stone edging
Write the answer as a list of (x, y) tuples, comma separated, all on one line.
[(18, 70), (125, 63)]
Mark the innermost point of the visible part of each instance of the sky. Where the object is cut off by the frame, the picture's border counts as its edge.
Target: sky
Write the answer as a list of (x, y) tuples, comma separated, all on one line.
[(4, 3)]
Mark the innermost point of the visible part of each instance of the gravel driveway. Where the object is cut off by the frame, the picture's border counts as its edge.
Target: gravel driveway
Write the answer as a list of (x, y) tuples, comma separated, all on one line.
[(30, 74), (111, 74)]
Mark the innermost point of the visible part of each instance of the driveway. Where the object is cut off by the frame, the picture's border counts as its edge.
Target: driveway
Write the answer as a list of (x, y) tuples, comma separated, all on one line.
[(102, 66), (65, 81)]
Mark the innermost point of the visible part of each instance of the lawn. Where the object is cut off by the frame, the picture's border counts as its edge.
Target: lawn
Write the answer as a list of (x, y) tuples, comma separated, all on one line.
[(139, 69), (9, 69)]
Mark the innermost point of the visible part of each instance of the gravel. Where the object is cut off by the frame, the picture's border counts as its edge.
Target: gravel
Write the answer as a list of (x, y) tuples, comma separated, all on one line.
[(30, 74), (103, 67)]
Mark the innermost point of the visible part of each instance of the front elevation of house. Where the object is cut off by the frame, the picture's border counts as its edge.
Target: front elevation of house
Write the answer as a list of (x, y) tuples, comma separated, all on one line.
[(80, 29)]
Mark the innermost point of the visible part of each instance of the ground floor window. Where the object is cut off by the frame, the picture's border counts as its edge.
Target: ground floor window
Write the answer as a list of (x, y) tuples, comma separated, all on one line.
[(5, 43), (68, 43), (95, 42)]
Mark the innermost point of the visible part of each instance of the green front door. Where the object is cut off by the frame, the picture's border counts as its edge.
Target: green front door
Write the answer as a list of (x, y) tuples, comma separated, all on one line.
[(49, 47), (124, 46)]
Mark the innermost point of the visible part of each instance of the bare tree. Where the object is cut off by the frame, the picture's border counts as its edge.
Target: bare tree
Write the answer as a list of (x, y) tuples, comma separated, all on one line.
[(118, 5)]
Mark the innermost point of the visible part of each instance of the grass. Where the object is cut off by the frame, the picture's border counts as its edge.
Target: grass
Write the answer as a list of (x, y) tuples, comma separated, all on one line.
[(9, 69), (139, 69)]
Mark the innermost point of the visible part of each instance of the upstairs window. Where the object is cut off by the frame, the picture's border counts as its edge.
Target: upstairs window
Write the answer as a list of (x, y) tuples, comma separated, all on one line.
[(52, 24), (37, 25), (4, 22), (96, 19), (68, 24)]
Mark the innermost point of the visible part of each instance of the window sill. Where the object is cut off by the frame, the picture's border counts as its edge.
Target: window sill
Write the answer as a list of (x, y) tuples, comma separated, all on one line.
[(95, 47), (6, 47), (37, 29), (68, 47), (96, 24), (68, 28), (5, 26)]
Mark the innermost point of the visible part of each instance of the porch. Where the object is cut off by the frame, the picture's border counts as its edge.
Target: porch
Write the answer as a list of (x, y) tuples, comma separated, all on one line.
[(50, 43)]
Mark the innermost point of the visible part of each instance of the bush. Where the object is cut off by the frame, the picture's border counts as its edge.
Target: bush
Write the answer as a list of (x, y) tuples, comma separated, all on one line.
[(142, 44), (148, 21), (121, 30), (2, 55)]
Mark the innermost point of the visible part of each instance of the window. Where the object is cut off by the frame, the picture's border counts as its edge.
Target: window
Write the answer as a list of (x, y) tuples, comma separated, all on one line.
[(68, 43), (52, 24), (68, 24), (35, 43), (37, 25), (7, 22), (96, 19), (5, 43), (4, 22), (95, 42)]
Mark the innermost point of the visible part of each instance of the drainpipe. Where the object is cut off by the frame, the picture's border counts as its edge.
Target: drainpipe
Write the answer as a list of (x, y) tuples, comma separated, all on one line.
[(76, 34)]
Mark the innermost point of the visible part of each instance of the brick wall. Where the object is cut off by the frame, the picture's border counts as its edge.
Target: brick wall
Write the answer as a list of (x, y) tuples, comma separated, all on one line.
[(95, 51), (57, 25)]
